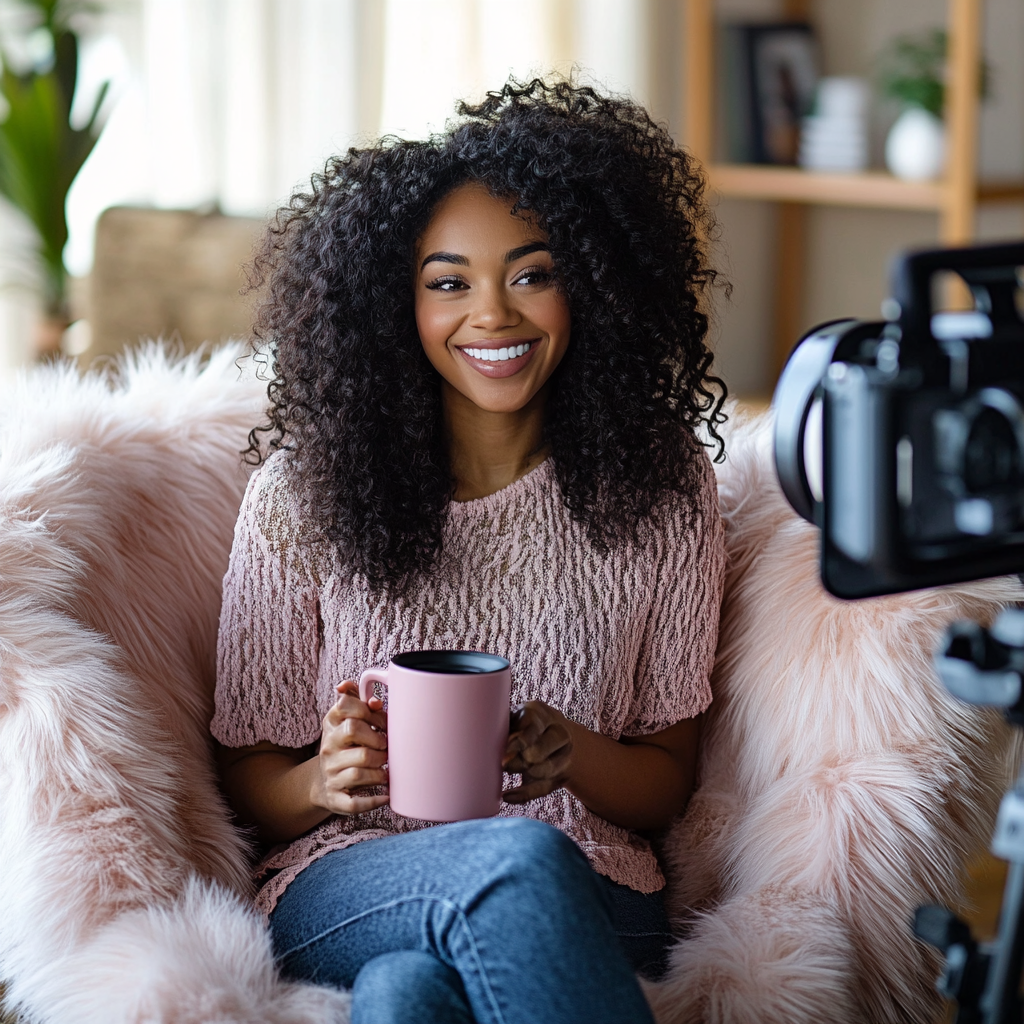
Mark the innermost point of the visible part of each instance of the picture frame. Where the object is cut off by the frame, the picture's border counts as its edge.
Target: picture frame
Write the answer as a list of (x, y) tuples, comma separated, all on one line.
[(770, 75)]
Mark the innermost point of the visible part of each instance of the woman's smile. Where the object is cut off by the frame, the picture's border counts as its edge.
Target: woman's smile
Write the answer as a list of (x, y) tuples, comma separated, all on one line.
[(501, 357)]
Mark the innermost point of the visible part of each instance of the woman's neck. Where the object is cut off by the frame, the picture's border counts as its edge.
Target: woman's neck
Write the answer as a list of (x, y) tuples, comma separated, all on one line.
[(490, 450)]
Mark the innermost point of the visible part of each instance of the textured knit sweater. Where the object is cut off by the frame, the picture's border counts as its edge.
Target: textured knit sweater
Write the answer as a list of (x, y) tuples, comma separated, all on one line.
[(621, 642)]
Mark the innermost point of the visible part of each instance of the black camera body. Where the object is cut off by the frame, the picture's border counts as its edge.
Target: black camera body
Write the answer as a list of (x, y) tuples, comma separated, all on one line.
[(921, 476)]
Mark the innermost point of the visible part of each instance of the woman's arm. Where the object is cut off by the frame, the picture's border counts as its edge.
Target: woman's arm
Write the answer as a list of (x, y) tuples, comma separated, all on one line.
[(284, 792), (269, 787), (634, 782)]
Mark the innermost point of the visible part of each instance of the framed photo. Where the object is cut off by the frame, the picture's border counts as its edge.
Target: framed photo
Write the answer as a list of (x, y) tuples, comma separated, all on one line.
[(771, 74)]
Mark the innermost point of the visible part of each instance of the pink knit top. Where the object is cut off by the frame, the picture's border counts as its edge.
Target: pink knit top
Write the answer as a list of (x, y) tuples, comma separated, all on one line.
[(621, 642)]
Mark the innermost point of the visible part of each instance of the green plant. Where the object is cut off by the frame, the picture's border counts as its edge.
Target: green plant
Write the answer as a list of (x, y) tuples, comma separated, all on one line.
[(40, 150), (912, 70)]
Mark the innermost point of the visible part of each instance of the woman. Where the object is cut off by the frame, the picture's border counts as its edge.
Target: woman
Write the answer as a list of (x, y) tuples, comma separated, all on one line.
[(489, 367)]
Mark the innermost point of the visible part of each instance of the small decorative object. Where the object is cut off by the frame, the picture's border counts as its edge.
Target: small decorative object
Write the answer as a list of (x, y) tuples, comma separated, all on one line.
[(915, 148), (770, 72), (834, 137), (40, 150), (912, 72)]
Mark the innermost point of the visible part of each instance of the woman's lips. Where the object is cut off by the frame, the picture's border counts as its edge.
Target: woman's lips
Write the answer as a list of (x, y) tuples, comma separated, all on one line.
[(499, 368)]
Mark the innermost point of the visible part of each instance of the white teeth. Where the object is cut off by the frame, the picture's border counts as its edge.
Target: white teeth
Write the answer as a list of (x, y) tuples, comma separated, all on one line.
[(494, 355)]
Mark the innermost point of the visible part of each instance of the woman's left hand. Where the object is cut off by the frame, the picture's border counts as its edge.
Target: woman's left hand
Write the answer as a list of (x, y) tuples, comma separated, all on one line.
[(539, 748)]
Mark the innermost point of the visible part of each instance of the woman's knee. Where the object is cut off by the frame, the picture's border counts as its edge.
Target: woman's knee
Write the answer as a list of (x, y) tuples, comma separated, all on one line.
[(537, 842), (534, 855), (406, 987)]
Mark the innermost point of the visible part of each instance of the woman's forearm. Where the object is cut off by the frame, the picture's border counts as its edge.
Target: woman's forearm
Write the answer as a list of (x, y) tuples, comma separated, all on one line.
[(274, 792), (632, 784)]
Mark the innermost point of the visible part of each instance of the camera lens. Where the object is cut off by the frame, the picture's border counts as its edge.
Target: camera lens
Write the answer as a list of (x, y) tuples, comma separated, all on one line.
[(991, 456), (979, 445)]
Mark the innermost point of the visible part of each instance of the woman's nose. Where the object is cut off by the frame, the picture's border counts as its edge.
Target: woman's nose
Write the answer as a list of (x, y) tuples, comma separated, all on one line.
[(494, 310)]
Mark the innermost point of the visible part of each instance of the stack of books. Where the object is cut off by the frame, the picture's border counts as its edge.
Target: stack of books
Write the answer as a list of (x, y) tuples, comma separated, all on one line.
[(835, 137)]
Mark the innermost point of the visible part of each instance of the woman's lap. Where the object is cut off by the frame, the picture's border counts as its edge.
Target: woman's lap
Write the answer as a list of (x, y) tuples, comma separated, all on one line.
[(511, 904)]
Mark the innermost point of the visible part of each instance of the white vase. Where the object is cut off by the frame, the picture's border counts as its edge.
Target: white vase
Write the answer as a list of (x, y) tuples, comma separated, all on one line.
[(916, 146)]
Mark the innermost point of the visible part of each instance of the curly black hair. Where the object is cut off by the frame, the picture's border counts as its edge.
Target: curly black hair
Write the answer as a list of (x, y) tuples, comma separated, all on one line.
[(353, 394)]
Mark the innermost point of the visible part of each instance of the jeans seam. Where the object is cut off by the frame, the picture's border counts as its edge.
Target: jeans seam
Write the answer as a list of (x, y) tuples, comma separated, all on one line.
[(486, 982), (449, 905), (356, 917)]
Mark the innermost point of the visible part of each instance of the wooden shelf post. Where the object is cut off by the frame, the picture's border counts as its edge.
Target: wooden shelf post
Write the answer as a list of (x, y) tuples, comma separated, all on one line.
[(962, 102), (699, 74)]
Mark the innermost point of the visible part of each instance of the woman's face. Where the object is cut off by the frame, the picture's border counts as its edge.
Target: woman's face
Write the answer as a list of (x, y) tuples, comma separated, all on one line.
[(490, 316)]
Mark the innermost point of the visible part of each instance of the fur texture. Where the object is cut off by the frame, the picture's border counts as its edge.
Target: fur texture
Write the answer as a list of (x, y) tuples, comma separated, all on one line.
[(841, 786), (124, 884)]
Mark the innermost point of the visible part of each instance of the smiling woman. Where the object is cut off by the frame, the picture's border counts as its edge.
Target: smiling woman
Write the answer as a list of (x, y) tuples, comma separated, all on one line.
[(490, 367)]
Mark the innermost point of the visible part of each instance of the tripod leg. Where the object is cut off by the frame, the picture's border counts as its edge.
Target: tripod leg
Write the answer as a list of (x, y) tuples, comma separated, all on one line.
[(1001, 1003)]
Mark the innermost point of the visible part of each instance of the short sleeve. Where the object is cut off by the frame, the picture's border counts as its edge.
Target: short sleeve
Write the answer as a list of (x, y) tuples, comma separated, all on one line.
[(268, 646), (673, 679)]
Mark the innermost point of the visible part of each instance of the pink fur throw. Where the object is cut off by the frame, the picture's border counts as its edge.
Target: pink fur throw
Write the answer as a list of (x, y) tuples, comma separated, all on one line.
[(123, 887), (840, 785)]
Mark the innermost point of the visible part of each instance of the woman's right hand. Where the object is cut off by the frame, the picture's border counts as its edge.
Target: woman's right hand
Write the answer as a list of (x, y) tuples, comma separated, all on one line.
[(353, 749)]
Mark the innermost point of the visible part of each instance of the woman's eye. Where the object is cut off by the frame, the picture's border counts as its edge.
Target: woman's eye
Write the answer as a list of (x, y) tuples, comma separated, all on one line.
[(448, 283), (535, 275)]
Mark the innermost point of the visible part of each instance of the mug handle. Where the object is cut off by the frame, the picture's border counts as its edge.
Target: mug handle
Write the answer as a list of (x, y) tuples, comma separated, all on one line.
[(368, 678)]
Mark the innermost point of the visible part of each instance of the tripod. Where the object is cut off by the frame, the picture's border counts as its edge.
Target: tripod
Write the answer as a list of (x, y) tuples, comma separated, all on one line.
[(986, 667)]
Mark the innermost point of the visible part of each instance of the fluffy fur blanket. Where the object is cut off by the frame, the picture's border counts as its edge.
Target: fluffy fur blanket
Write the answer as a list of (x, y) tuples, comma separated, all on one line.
[(122, 884), (840, 786)]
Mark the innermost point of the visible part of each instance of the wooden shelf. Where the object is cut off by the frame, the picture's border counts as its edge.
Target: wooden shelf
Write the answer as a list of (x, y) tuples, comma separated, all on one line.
[(793, 185), (869, 188)]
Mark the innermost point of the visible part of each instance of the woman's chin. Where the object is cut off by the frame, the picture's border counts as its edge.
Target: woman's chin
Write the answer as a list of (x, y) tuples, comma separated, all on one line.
[(506, 404)]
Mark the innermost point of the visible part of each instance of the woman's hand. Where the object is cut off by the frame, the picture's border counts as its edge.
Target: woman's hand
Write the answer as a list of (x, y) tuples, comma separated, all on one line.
[(539, 748), (353, 749)]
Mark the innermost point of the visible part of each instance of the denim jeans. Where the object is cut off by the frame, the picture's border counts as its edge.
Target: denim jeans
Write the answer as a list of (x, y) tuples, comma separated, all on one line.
[(494, 921)]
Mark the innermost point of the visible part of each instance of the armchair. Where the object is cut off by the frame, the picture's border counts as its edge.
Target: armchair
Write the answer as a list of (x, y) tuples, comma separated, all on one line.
[(840, 786)]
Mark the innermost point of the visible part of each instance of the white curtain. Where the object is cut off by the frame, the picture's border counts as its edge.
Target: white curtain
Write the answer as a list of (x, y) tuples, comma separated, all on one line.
[(221, 102), (235, 102)]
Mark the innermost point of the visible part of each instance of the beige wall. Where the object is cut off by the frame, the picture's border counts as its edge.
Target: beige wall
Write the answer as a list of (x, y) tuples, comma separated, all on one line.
[(848, 250)]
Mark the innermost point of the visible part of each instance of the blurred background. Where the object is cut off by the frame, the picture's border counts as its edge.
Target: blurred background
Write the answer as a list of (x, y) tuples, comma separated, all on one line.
[(180, 125)]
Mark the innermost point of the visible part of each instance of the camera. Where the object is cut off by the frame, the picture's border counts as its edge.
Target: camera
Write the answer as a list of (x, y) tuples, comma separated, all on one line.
[(903, 440)]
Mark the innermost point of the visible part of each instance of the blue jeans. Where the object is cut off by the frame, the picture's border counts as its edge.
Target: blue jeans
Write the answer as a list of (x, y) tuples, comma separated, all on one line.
[(495, 921)]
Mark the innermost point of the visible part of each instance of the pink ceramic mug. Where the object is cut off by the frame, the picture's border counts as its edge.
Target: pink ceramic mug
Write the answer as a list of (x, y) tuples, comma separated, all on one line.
[(448, 723)]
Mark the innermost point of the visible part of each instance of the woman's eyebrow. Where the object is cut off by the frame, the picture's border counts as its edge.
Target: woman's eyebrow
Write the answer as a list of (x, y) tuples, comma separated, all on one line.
[(524, 250), (445, 257)]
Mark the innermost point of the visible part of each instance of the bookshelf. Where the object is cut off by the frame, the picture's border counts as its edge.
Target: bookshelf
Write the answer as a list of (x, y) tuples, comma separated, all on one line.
[(954, 198)]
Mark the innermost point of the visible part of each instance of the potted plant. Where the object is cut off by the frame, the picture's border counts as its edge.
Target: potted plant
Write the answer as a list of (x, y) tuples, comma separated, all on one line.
[(912, 72), (41, 151)]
